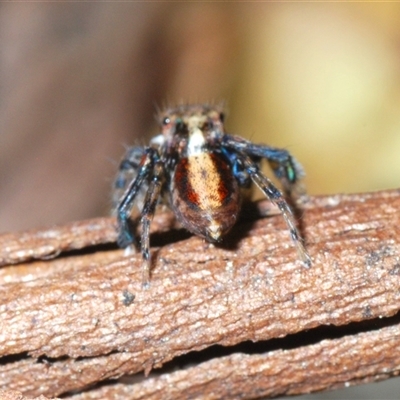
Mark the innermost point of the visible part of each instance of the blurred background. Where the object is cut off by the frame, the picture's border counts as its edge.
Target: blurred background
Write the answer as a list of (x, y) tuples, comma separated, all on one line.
[(80, 81)]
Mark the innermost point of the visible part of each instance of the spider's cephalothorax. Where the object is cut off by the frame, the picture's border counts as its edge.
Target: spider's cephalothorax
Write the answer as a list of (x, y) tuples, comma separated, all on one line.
[(201, 169)]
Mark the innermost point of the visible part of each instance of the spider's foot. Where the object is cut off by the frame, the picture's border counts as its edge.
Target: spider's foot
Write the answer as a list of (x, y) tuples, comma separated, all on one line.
[(304, 256), (124, 239), (146, 274), (129, 250)]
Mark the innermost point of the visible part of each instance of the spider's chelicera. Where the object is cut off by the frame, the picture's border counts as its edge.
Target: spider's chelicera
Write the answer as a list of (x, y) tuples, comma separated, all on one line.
[(201, 169)]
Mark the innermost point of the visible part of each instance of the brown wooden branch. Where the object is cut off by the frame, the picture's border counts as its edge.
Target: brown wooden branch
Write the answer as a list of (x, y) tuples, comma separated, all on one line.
[(82, 317)]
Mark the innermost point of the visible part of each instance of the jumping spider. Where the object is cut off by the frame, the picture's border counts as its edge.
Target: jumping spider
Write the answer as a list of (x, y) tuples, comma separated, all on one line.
[(201, 169)]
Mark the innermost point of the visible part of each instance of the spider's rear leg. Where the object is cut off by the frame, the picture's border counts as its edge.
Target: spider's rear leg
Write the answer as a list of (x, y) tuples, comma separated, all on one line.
[(127, 172), (126, 203), (277, 198)]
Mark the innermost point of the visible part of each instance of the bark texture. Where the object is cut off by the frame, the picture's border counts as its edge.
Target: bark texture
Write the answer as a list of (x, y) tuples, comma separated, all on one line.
[(241, 320)]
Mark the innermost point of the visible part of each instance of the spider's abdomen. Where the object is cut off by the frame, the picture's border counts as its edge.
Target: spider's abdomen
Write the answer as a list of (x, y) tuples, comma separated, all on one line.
[(205, 195)]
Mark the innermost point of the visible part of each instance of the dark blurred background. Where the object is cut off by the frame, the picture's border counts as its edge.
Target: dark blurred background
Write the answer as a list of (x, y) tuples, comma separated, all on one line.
[(79, 81)]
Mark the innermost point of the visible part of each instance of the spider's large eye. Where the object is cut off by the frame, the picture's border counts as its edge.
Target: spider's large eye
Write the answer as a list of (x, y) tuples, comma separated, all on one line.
[(166, 120), (221, 116)]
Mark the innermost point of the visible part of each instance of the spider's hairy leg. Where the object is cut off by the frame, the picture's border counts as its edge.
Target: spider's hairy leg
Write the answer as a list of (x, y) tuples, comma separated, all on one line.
[(285, 167), (238, 169), (149, 206), (127, 171), (125, 236), (275, 196)]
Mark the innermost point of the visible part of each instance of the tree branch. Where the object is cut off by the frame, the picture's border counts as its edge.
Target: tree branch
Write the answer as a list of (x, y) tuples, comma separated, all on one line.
[(82, 317)]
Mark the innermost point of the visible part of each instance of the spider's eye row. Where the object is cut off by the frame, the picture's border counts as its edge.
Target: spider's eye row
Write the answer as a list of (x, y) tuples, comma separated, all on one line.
[(179, 125), (208, 125), (166, 120)]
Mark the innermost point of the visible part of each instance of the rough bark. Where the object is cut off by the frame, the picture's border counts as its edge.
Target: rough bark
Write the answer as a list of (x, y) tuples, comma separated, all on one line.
[(82, 317)]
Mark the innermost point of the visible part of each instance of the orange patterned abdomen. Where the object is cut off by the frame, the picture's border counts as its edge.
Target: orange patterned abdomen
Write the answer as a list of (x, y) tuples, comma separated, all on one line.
[(205, 195)]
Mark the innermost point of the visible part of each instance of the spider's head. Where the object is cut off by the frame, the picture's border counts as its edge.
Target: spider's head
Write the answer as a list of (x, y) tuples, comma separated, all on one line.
[(187, 120)]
